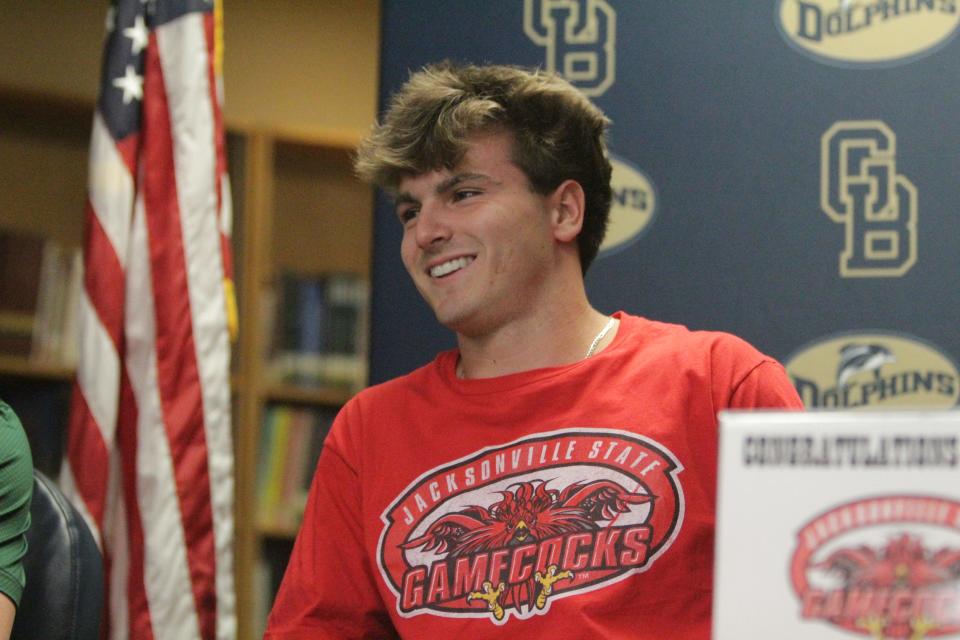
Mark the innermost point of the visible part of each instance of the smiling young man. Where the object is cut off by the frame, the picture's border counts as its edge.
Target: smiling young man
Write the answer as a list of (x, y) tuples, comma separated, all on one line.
[(555, 475)]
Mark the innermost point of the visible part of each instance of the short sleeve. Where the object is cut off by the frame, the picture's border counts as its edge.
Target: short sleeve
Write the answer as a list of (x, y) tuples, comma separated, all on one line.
[(766, 386), (16, 489)]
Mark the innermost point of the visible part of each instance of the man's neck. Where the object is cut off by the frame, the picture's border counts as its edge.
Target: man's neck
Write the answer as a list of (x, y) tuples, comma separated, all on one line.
[(548, 338)]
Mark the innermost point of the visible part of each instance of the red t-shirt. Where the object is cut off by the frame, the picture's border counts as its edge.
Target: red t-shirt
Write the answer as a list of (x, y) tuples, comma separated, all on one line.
[(574, 501)]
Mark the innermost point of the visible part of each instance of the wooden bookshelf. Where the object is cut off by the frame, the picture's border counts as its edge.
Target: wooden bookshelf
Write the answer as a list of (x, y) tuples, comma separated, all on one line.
[(296, 205)]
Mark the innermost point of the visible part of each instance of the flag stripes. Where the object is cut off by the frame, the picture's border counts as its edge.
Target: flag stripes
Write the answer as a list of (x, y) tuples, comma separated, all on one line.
[(149, 454)]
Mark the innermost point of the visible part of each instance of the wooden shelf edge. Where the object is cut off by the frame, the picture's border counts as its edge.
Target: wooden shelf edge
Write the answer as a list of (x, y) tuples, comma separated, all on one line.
[(11, 94), (324, 396), (277, 531), (26, 368), (339, 139), (30, 98), (347, 140)]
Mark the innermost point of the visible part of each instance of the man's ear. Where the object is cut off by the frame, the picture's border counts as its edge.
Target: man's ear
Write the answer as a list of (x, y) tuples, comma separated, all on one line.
[(568, 202)]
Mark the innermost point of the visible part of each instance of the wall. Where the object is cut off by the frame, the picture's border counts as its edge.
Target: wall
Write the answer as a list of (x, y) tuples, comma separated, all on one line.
[(299, 65)]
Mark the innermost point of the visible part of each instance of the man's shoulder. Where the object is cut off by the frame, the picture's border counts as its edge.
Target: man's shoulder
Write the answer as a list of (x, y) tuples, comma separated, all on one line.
[(678, 338), (729, 363)]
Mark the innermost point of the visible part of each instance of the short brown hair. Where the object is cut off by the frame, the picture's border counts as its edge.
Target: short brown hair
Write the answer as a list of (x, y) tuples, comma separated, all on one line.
[(558, 133)]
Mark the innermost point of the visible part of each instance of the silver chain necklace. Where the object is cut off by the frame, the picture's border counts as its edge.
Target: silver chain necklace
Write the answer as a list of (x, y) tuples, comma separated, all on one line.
[(603, 332), (458, 369)]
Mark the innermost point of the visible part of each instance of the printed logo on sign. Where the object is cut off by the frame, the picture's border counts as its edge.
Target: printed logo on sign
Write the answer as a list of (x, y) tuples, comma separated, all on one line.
[(874, 370), (867, 33), (884, 567), (861, 189), (580, 39), (633, 208), (506, 531)]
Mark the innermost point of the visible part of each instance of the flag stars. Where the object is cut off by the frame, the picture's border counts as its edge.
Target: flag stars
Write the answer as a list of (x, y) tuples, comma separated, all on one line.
[(131, 84), (138, 35)]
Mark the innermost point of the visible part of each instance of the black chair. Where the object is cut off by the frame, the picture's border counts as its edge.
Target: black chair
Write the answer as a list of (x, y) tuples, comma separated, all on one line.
[(63, 599)]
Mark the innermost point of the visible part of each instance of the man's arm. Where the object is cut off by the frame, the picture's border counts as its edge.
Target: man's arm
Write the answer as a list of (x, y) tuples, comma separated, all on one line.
[(329, 589)]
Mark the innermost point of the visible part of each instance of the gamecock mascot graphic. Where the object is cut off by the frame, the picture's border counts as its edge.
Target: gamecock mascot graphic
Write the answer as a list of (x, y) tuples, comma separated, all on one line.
[(527, 512)]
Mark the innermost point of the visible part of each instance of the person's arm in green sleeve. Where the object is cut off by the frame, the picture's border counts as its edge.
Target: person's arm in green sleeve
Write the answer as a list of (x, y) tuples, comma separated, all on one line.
[(16, 489)]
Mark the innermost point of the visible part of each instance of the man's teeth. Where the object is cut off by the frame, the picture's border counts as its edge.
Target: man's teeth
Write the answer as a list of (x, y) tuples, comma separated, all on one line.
[(450, 266)]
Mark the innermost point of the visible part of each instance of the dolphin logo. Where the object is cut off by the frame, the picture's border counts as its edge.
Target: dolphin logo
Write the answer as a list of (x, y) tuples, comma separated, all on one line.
[(856, 358)]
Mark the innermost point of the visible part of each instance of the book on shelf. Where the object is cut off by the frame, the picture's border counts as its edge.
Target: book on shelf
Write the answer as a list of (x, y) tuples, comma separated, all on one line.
[(21, 259), (264, 593), (320, 330), (40, 294), (290, 442)]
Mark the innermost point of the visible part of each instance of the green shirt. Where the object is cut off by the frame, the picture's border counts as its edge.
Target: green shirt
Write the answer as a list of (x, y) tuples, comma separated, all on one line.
[(16, 488)]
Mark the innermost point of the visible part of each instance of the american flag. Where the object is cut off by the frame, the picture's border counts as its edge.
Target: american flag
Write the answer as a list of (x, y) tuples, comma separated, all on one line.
[(149, 454)]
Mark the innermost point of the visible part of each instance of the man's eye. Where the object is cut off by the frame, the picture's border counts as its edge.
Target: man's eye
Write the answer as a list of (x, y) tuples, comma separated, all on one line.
[(406, 215), (462, 194)]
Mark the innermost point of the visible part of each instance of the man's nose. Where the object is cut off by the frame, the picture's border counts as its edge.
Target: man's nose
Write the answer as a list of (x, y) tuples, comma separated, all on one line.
[(433, 226)]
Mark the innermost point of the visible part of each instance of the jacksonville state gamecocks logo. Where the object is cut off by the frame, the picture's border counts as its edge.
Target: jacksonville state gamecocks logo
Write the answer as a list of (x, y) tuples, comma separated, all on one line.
[(885, 567), (506, 531)]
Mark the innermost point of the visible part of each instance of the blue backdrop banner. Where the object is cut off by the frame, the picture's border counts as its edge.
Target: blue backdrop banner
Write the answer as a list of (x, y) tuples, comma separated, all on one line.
[(786, 171)]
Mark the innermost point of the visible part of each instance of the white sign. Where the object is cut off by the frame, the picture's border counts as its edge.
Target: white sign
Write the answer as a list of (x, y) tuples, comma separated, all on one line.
[(838, 525)]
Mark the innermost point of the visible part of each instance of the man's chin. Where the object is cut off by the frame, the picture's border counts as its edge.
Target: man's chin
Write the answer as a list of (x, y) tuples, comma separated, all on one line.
[(458, 320), (454, 322), (468, 325)]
